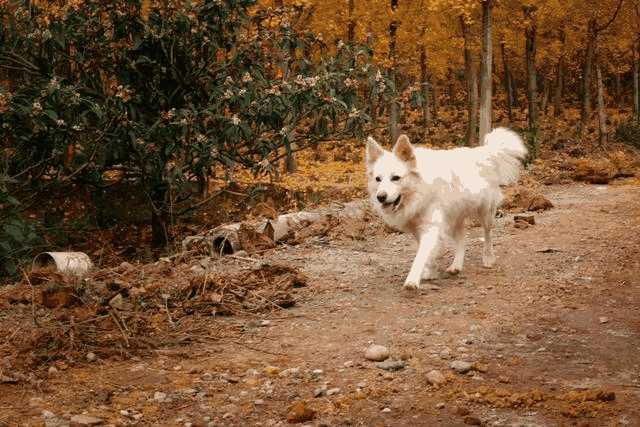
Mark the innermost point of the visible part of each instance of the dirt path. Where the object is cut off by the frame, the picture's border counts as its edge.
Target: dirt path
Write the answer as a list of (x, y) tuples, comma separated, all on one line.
[(552, 332)]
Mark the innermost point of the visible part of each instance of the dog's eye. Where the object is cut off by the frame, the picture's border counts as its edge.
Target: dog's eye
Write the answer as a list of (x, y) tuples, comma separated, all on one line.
[(378, 178), (395, 178)]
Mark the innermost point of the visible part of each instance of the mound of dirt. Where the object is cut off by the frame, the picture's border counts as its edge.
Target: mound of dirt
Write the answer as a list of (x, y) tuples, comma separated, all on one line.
[(130, 309)]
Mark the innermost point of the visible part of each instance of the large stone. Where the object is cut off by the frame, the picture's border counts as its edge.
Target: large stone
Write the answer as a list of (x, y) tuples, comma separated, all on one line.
[(377, 353)]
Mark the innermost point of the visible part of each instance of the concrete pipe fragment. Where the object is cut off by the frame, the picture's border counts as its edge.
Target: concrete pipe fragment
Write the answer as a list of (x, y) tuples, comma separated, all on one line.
[(74, 263)]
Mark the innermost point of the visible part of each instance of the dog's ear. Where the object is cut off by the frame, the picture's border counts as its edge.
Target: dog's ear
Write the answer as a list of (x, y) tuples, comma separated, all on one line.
[(374, 151), (404, 151)]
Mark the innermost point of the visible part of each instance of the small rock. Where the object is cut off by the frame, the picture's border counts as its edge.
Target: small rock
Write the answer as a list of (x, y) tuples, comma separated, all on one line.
[(317, 372), (377, 353), (52, 370), (159, 396), (91, 357), (461, 410), (472, 421), (604, 319), (391, 365), (86, 420), (265, 323), (529, 219), (300, 413), (440, 405), (461, 366), (258, 402), (348, 364), (291, 372), (48, 414), (272, 370), (539, 203), (386, 410), (320, 391), (207, 376), (333, 391), (435, 377), (445, 354)]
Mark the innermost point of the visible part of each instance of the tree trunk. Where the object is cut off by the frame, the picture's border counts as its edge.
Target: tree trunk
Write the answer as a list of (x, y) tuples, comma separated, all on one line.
[(545, 94), (485, 70), (602, 115), (450, 92), (514, 91), (532, 89), (434, 100), (585, 110), (424, 83), (393, 110), (472, 87), (618, 87), (636, 81), (508, 88), (351, 26), (557, 95)]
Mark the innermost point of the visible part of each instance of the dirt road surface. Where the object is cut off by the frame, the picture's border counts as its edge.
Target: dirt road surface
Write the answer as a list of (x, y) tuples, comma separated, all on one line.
[(551, 334)]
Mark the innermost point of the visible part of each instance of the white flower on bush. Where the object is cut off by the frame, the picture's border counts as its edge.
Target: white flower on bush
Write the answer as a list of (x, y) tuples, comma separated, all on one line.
[(228, 80), (273, 90), (242, 92), (354, 113), (201, 138), (381, 87), (283, 131), (76, 127), (246, 78), (235, 120), (60, 122), (228, 94), (340, 44), (36, 108), (378, 76), (306, 82), (139, 141), (46, 35), (348, 82)]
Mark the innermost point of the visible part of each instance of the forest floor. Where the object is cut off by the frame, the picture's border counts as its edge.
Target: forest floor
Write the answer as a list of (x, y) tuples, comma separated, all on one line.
[(552, 334)]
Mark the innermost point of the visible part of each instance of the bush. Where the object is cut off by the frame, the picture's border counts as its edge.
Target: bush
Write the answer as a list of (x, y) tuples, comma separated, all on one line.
[(163, 95)]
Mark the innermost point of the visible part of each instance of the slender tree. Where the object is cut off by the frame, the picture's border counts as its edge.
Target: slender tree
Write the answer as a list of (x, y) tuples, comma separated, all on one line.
[(485, 70), (532, 89), (471, 78)]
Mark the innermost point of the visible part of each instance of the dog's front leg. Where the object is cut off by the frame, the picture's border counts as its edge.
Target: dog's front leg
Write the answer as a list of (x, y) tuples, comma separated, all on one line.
[(428, 242)]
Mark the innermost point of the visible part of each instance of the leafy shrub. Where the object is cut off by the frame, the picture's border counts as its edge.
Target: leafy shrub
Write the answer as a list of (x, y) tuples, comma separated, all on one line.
[(161, 95)]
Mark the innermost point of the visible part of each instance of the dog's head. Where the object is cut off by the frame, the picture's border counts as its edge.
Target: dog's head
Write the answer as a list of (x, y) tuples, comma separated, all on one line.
[(390, 174)]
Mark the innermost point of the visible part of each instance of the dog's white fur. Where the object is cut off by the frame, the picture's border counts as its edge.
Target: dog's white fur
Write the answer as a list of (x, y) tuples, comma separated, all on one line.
[(430, 193)]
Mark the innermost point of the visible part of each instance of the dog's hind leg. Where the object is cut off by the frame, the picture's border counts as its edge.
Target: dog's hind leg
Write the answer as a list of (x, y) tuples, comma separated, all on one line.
[(486, 218), (458, 234), (429, 243)]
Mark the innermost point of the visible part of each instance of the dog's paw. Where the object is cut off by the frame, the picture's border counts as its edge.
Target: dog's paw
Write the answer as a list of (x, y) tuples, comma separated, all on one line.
[(453, 270), (411, 286)]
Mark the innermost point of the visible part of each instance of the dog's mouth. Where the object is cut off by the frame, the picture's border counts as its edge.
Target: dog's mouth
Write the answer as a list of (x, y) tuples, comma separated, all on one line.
[(395, 204)]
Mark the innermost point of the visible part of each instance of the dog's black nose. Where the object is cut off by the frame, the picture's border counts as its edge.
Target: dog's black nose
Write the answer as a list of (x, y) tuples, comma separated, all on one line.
[(382, 197)]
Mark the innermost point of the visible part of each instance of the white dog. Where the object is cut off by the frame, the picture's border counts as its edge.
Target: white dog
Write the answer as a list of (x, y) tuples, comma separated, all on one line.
[(430, 193)]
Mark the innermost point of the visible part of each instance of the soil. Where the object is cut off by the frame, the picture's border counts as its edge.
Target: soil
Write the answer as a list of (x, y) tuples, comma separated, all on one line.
[(552, 334)]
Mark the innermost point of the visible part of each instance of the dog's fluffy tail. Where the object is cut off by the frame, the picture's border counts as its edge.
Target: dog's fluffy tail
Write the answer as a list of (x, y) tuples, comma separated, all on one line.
[(506, 151)]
